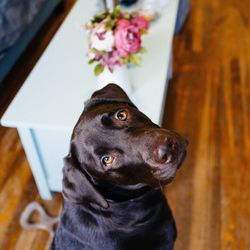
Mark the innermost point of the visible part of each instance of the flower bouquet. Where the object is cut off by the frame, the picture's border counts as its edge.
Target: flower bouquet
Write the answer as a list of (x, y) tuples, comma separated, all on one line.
[(115, 39)]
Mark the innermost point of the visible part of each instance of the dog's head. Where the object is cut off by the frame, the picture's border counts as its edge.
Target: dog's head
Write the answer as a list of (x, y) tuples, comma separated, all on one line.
[(114, 142)]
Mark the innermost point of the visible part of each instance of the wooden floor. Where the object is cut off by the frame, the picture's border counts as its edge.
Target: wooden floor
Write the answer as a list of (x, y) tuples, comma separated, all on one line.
[(208, 101)]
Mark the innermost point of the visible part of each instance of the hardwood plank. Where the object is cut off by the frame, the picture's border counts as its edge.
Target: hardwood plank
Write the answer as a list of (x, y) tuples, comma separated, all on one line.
[(10, 145), (11, 194), (235, 201), (25, 240), (211, 72)]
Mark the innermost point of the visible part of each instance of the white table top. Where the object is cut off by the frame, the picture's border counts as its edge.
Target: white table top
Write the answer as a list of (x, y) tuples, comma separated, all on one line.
[(53, 95)]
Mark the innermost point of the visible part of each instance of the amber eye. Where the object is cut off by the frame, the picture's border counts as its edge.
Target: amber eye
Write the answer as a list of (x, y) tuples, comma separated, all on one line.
[(121, 115), (107, 160)]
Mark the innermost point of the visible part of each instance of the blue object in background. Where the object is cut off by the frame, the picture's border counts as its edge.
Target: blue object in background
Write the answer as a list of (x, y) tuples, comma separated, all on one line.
[(183, 11), (127, 3), (12, 47)]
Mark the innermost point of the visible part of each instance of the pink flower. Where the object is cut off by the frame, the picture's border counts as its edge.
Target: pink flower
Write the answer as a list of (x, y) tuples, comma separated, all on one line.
[(111, 59), (122, 23), (127, 37), (141, 22)]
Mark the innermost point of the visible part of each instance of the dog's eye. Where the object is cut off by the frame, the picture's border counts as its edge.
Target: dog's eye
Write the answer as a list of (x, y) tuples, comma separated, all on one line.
[(107, 160), (121, 115)]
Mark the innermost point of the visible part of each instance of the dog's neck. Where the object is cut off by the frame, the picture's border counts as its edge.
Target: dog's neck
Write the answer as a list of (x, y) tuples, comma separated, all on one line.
[(121, 193)]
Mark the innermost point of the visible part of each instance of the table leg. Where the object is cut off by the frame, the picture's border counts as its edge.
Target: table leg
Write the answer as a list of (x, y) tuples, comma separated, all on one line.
[(34, 157)]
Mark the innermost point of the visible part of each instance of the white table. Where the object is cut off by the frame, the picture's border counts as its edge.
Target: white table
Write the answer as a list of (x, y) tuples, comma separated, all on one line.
[(49, 103)]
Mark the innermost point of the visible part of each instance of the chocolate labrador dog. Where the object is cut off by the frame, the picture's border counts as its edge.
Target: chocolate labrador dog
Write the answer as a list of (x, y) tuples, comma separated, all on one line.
[(113, 174)]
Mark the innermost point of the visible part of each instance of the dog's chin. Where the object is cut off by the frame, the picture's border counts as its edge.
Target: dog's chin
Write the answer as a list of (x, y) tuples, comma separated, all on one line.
[(165, 175), (164, 180)]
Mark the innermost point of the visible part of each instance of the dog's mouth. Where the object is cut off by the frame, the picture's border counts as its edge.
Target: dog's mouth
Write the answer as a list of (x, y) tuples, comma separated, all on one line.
[(164, 177)]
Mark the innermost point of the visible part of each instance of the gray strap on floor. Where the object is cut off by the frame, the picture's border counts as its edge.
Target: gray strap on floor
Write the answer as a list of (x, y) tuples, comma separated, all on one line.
[(45, 222)]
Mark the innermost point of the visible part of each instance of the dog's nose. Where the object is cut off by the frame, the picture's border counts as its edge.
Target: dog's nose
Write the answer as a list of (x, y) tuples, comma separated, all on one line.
[(164, 152)]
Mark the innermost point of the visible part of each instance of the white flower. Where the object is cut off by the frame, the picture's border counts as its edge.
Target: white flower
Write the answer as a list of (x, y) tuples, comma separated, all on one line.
[(102, 39)]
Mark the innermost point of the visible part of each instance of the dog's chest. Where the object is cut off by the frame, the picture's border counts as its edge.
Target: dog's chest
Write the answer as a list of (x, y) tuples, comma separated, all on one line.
[(130, 226)]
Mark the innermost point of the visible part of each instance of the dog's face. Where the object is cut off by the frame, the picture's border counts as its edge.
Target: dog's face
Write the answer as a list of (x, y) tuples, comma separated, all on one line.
[(116, 143)]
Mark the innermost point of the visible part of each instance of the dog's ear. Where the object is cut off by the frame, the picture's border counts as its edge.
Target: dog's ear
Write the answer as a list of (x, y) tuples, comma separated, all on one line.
[(110, 93), (76, 186)]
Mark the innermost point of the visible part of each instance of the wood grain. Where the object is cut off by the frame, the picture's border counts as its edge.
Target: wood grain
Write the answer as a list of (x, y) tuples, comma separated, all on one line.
[(208, 101)]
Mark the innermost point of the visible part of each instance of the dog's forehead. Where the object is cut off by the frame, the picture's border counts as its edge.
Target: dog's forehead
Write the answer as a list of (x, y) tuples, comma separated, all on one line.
[(111, 93)]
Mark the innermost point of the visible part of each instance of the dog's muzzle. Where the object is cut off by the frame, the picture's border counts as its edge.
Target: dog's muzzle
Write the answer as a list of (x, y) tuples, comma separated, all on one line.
[(167, 154)]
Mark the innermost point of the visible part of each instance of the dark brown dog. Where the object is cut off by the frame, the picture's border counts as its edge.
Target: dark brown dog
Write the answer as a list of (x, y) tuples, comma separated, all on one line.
[(118, 159)]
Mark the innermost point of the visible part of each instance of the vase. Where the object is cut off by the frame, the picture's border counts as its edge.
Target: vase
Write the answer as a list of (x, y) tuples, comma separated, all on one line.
[(119, 76)]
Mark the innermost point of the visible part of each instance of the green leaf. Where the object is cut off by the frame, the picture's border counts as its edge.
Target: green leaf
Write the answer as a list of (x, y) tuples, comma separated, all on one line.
[(98, 69), (92, 61), (110, 24), (142, 50), (117, 11), (135, 59), (95, 51), (124, 60), (143, 31), (127, 16), (99, 17)]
